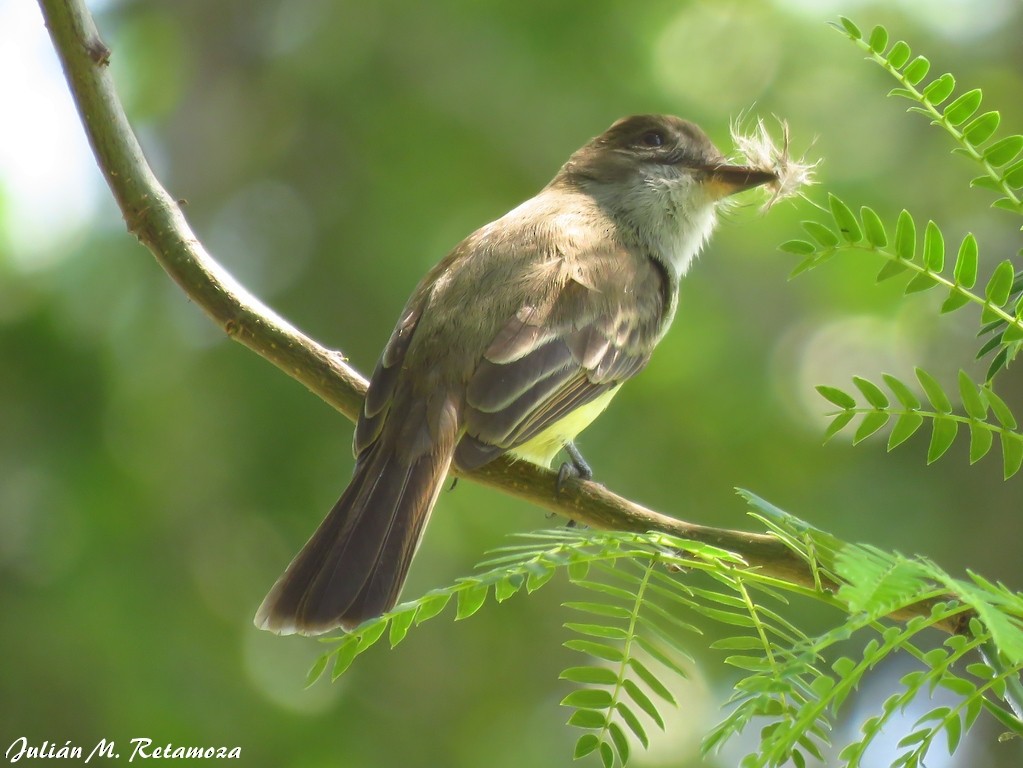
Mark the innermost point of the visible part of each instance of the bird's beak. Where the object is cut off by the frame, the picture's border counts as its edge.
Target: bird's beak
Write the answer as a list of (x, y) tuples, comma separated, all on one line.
[(724, 180)]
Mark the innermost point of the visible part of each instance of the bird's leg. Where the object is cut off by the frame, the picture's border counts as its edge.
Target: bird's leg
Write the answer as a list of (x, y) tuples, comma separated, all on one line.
[(576, 467)]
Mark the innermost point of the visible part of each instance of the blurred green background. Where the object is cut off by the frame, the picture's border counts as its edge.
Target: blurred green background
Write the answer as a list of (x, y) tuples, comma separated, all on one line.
[(156, 477)]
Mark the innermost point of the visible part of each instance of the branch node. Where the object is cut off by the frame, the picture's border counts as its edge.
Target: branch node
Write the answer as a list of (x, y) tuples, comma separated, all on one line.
[(98, 51)]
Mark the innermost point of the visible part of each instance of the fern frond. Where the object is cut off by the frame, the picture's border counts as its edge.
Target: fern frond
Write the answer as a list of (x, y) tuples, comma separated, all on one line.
[(640, 600), (984, 414), (972, 133), (606, 709), (1000, 300), (528, 566), (797, 690)]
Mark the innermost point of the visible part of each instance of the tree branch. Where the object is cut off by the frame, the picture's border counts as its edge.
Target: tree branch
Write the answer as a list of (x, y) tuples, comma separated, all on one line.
[(155, 218)]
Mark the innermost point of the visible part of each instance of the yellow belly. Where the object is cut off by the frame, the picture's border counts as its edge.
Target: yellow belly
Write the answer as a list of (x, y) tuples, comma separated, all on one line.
[(545, 446)]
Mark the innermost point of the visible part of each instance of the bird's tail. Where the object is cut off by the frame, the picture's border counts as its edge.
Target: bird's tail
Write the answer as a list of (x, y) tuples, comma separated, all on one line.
[(355, 564)]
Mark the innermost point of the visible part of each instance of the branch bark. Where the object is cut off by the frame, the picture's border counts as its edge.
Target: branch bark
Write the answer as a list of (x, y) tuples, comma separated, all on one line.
[(156, 219)]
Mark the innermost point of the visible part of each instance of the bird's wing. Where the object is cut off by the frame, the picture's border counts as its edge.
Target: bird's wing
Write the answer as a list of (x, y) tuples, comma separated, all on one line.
[(384, 380), (587, 337)]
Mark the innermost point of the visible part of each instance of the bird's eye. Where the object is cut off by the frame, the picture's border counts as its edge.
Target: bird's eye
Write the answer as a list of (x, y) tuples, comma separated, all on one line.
[(653, 138)]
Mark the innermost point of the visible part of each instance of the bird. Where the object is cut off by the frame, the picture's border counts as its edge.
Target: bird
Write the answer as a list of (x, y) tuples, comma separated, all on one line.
[(512, 344)]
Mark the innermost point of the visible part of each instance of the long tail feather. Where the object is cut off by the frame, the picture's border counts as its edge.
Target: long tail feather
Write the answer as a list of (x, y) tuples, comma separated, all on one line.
[(356, 562)]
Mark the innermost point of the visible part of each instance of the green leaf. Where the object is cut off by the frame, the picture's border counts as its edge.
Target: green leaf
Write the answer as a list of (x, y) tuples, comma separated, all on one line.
[(820, 233), (651, 680), (999, 361), (738, 643), (578, 570), (901, 391), (986, 182), (1013, 333), (621, 743), (981, 670), (630, 719), (878, 39), (658, 655), (981, 128), (1000, 409), (798, 247), (344, 656), (871, 423), (600, 609), (934, 658), (836, 396), (843, 666), (973, 709), (589, 675), (851, 29), (922, 282), (371, 632), (873, 227), (871, 392), (726, 617), (586, 744), (597, 630), (509, 585), (963, 108), (899, 54), (890, 270), (643, 701), (749, 663), (822, 685), (838, 424), (942, 434), (933, 391), (317, 669), (972, 397), (1014, 178), (607, 756), (806, 264), (940, 88), (905, 427), (934, 248), (593, 648), (915, 738), (587, 718), (1000, 284), (844, 219), (470, 600), (917, 70), (966, 262), (538, 575), (607, 589), (400, 624), (981, 440), (1012, 453), (431, 606), (588, 698), (1007, 204), (905, 236), (955, 300), (953, 732), (1003, 150)]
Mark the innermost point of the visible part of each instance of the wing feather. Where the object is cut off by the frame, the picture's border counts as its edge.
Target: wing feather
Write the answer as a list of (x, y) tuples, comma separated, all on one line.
[(557, 355)]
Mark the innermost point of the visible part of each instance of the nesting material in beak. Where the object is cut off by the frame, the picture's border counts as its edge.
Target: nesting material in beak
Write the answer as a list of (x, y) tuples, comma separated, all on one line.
[(758, 150)]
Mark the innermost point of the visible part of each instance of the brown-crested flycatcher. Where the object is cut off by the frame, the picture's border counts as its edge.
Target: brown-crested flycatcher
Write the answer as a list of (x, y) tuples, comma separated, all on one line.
[(514, 343)]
